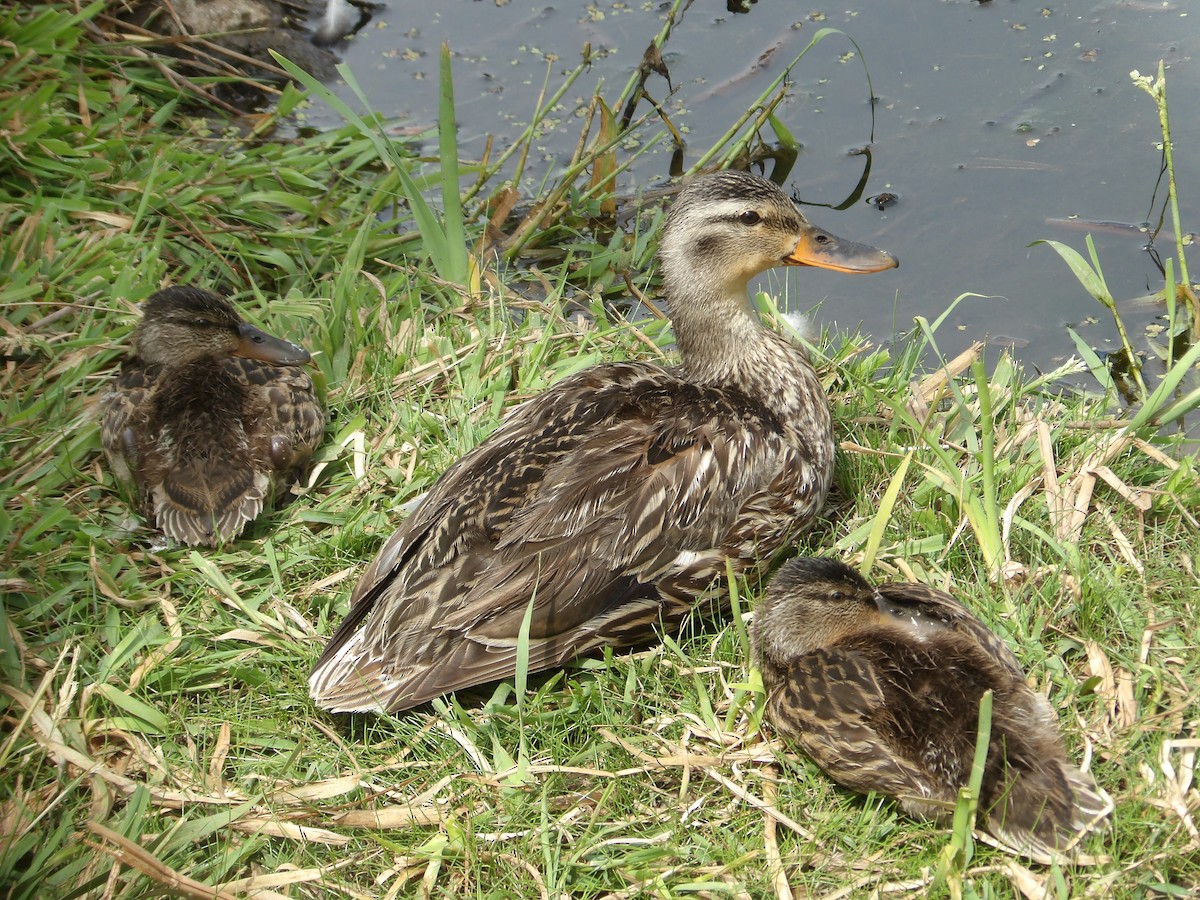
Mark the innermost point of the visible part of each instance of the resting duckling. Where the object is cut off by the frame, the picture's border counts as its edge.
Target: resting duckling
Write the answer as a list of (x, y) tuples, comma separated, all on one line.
[(881, 687), (211, 419), (607, 505)]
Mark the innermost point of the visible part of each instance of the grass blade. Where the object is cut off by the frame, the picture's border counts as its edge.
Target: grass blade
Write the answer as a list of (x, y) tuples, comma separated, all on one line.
[(454, 235), (880, 521)]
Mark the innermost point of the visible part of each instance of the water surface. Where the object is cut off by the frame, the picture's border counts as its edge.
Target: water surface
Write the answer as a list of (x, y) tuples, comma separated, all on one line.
[(995, 122)]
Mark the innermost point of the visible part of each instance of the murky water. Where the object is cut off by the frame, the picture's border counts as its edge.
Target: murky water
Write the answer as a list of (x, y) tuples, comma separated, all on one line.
[(996, 121)]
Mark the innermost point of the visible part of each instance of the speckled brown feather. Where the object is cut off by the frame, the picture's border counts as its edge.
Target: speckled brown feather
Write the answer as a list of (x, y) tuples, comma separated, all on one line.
[(881, 688), (584, 526), (209, 441), (606, 506)]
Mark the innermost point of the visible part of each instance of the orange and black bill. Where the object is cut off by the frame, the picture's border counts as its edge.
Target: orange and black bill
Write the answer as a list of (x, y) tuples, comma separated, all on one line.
[(828, 251)]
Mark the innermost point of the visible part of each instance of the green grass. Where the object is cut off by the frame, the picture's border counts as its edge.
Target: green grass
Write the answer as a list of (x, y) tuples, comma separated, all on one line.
[(154, 703)]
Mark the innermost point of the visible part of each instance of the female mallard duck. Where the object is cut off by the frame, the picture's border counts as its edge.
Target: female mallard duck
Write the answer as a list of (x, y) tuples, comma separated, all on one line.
[(607, 505), (881, 687), (210, 419)]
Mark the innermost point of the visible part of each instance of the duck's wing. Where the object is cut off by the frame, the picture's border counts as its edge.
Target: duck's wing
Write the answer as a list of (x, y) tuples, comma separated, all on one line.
[(284, 418), (926, 611), (830, 702), (569, 514), (123, 412)]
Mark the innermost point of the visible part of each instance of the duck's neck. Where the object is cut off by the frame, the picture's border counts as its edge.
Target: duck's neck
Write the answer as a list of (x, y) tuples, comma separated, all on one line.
[(722, 342)]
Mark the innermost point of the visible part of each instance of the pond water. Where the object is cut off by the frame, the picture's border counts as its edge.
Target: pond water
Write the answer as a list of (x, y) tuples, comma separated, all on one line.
[(995, 122)]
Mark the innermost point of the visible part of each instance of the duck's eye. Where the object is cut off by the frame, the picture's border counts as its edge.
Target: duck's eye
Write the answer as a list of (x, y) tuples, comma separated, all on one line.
[(749, 217), (837, 595)]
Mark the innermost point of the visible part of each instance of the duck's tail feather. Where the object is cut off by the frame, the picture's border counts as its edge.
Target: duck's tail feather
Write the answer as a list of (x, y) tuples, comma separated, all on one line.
[(1047, 824), (198, 510), (347, 680)]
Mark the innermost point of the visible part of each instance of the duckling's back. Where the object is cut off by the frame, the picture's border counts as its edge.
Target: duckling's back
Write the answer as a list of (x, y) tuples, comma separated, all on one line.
[(922, 710), (209, 443)]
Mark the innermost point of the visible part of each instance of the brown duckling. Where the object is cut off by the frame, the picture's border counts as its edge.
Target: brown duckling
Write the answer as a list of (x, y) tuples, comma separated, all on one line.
[(606, 506), (881, 687), (211, 419)]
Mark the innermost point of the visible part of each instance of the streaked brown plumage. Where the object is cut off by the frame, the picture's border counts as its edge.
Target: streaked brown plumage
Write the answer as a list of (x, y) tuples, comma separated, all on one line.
[(210, 419), (610, 502), (881, 687)]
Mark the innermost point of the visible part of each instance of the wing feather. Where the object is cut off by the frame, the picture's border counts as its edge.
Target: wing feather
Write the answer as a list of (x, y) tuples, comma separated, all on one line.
[(582, 519), (831, 704), (123, 411)]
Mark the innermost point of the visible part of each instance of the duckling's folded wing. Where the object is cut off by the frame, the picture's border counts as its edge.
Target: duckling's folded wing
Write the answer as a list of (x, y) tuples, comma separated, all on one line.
[(283, 406), (1046, 818), (832, 705), (121, 408)]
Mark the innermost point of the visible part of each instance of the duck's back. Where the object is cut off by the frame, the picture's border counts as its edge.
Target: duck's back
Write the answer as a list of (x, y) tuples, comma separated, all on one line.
[(880, 714), (208, 442), (1032, 795), (600, 509), (882, 711), (930, 707)]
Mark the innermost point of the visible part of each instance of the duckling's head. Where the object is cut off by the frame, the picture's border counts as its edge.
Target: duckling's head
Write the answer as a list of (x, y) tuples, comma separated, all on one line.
[(729, 226), (183, 324), (810, 603)]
